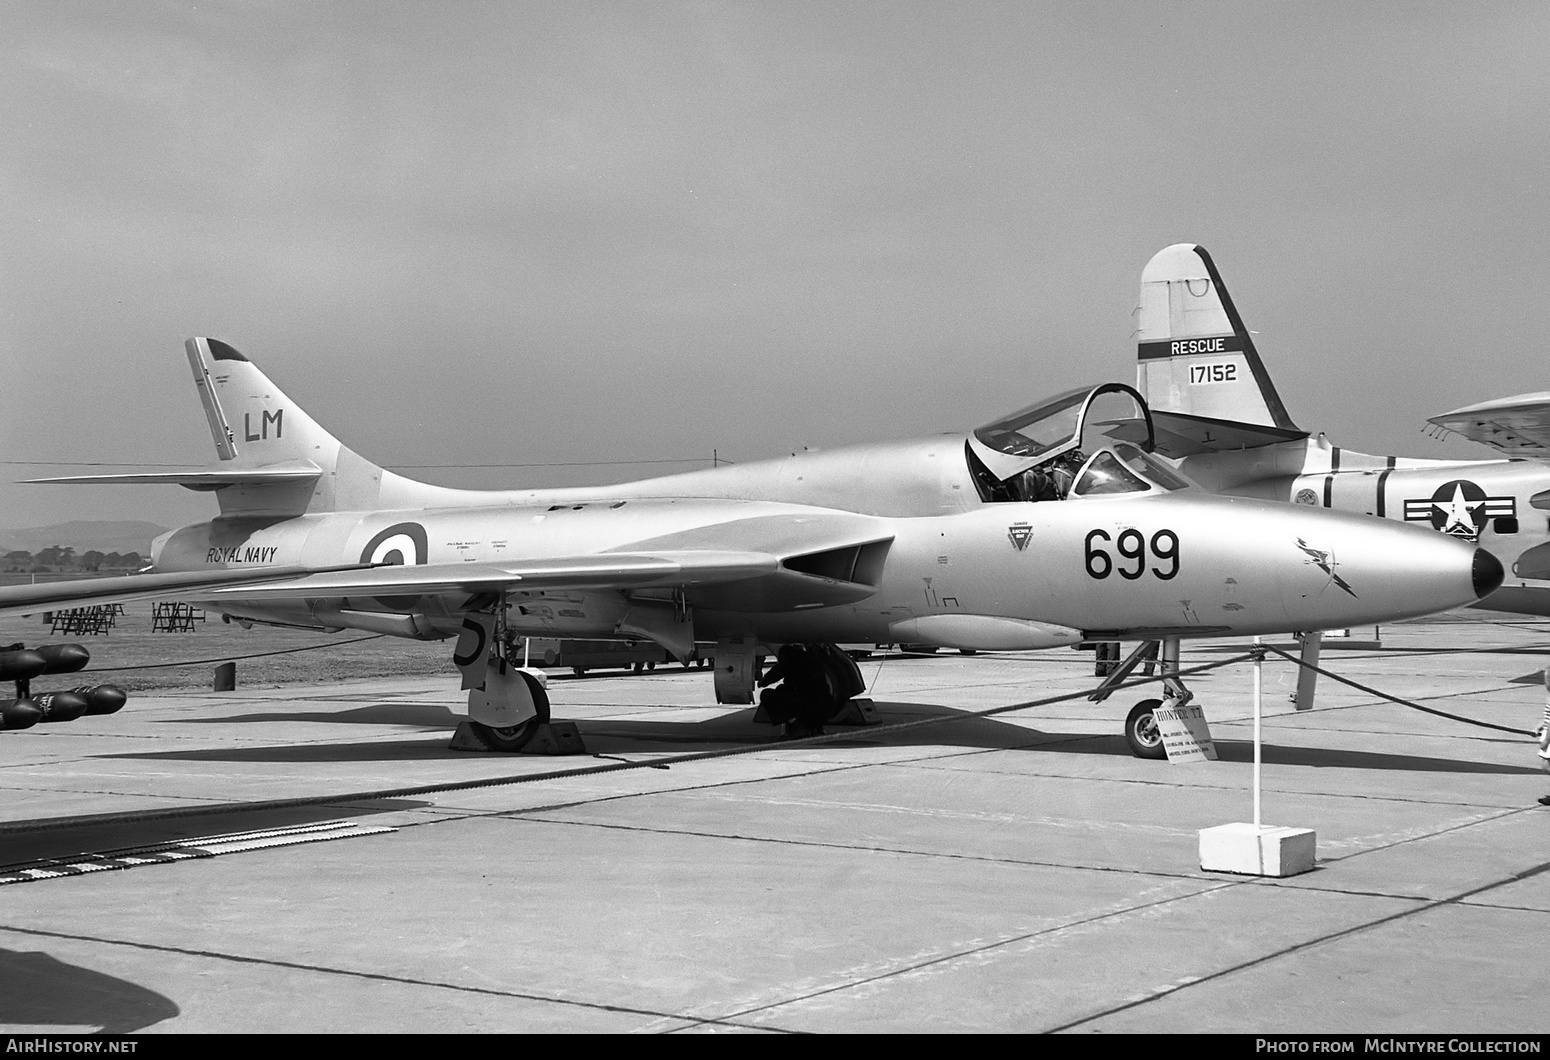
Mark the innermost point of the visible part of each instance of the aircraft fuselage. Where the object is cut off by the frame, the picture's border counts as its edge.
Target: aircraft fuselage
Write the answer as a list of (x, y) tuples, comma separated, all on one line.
[(1004, 575)]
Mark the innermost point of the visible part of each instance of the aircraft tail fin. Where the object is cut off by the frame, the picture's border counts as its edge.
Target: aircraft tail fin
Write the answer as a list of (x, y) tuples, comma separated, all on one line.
[(274, 458), (1194, 357)]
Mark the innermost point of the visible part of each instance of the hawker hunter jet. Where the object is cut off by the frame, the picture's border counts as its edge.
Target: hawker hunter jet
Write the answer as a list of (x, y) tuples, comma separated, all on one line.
[(1052, 526)]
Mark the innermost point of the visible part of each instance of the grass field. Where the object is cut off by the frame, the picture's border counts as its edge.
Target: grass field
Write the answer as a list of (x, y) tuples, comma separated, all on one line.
[(132, 644)]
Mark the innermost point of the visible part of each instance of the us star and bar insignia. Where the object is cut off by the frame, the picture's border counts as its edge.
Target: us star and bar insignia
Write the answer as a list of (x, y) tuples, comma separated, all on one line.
[(1460, 508)]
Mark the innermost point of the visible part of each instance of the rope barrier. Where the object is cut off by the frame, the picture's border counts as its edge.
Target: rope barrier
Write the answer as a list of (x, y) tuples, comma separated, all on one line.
[(237, 658), (1395, 699)]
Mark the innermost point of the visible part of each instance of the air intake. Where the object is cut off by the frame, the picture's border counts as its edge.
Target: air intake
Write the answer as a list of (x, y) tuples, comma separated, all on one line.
[(862, 564)]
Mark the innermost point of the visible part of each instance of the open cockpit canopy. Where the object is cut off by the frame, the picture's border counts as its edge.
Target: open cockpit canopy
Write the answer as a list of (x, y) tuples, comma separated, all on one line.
[(1091, 441)]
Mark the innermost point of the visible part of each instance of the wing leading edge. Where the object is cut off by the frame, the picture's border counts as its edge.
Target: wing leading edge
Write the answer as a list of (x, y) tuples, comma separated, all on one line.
[(730, 579), (88, 592), (609, 570)]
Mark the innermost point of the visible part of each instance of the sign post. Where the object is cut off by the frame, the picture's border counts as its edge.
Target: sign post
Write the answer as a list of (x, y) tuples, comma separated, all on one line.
[(1257, 849)]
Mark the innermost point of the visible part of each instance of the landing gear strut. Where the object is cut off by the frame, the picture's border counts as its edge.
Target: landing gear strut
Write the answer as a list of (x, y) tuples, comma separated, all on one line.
[(1142, 733), (506, 688)]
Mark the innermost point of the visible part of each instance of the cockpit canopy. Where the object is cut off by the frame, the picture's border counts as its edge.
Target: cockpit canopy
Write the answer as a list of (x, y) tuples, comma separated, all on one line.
[(1092, 441)]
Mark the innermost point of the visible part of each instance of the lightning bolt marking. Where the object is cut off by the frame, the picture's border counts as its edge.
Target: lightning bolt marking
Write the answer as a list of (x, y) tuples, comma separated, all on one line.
[(1321, 558)]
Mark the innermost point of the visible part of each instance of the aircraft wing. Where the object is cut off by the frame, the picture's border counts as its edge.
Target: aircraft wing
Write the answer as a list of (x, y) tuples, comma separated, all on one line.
[(768, 560), (1516, 425), (615, 570), (88, 592), (606, 570)]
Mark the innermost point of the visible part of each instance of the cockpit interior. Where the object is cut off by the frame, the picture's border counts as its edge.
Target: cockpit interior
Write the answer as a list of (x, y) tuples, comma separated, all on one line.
[(1087, 442)]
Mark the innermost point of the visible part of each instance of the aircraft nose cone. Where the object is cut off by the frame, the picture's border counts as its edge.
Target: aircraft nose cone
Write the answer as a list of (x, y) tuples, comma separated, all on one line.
[(1487, 573)]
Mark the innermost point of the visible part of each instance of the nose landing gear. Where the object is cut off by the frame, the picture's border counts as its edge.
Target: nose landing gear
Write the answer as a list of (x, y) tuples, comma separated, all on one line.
[(1143, 733)]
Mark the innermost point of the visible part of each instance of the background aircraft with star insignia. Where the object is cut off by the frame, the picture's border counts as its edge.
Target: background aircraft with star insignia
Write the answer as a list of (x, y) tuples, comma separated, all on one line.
[(1218, 415)]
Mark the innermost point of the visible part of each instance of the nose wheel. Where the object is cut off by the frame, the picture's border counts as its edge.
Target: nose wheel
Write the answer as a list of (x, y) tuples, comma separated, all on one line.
[(1141, 731)]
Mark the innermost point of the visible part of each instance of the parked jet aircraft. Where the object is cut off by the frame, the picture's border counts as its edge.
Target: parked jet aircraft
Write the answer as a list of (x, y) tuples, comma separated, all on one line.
[(1045, 528), (1217, 413)]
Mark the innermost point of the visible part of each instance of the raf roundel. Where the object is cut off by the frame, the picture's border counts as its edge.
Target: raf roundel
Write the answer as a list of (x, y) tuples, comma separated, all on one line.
[(401, 543)]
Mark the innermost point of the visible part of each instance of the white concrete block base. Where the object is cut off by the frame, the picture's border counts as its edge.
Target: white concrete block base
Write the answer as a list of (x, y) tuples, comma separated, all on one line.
[(1264, 851)]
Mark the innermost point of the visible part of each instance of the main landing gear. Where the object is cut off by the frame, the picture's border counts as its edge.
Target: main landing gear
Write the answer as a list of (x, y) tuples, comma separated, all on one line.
[(1142, 733), (508, 705), (816, 684), (511, 738)]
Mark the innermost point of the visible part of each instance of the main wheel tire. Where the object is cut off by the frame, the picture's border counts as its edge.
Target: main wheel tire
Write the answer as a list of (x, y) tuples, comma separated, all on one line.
[(1141, 731), (509, 738), (845, 680)]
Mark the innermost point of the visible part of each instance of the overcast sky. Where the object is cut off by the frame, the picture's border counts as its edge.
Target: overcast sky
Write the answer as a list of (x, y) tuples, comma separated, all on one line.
[(511, 233)]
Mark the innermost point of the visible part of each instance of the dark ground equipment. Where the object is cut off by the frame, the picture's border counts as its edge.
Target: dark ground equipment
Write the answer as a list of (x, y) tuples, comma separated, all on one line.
[(21, 664)]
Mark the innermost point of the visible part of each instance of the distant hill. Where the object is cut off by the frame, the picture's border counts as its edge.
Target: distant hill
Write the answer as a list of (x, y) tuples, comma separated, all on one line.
[(83, 535)]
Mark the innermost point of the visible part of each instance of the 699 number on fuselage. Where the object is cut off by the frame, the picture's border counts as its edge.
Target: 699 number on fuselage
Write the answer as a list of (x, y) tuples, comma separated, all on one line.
[(1132, 547)]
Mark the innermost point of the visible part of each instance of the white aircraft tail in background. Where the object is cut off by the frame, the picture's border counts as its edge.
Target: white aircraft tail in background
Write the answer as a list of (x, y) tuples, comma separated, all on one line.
[(1195, 359), (1218, 413)]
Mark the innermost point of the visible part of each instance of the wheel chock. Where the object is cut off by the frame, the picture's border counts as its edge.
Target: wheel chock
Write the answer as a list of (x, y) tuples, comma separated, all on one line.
[(465, 740), (851, 712), (552, 738), (555, 738), (856, 712)]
